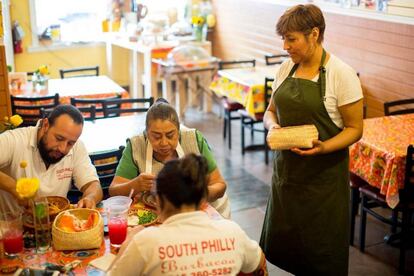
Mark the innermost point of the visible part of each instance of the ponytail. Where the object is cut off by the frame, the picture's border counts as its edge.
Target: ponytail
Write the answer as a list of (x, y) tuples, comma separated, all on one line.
[(183, 181)]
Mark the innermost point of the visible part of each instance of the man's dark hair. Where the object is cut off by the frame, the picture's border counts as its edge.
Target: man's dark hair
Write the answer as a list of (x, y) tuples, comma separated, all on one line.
[(68, 109)]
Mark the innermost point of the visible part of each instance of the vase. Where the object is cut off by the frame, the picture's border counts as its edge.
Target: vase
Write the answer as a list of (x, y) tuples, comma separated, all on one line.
[(41, 224), (39, 82), (200, 33)]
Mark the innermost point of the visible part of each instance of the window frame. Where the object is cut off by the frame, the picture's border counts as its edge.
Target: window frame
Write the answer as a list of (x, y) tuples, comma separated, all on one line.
[(36, 46)]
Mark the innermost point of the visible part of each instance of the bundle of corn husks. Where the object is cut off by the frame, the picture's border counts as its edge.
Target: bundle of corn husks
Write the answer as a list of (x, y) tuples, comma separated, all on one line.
[(292, 137)]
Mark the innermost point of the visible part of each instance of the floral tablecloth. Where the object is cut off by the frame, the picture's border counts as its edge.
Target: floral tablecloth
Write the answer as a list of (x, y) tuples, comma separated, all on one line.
[(379, 157), (30, 259), (244, 85)]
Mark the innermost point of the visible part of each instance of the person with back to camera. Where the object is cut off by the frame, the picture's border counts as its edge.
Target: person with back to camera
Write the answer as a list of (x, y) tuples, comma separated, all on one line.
[(188, 242), (163, 140), (307, 219)]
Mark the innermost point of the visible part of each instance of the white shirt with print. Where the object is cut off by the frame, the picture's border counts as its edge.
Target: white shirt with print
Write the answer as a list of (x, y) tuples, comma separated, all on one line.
[(21, 144), (342, 85), (190, 244)]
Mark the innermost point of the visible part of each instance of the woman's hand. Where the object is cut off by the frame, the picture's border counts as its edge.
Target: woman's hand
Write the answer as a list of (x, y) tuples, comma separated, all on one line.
[(143, 182), (318, 148)]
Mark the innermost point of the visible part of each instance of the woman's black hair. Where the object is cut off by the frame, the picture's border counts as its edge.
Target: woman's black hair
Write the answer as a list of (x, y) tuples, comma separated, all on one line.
[(183, 181), (161, 110)]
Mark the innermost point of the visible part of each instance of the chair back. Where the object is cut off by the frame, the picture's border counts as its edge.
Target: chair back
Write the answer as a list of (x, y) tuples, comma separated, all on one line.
[(106, 164), (272, 59), (79, 72), (98, 103), (407, 193), (397, 107), (115, 107), (29, 108), (268, 90), (228, 64)]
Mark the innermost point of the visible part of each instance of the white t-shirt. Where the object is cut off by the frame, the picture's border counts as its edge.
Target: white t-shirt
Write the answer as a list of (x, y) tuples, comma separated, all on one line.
[(189, 244), (21, 144), (342, 85)]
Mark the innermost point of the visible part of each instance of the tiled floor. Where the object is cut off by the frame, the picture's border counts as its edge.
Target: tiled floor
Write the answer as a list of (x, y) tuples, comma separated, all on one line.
[(249, 183)]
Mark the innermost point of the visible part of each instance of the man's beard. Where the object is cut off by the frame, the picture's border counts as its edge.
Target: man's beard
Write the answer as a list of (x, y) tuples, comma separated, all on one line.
[(44, 153)]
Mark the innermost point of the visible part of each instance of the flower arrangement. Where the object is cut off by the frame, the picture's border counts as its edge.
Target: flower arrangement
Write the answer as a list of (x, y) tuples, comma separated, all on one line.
[(40, 75), (202, 18), (10, 122), (27, 188)]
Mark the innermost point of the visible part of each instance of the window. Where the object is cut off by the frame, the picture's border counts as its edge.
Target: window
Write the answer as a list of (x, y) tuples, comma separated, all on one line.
[(63, 21)]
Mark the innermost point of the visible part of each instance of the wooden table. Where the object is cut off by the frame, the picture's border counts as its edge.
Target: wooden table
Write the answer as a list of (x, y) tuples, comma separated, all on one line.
[(244, 85), (80, 87), (379, 157), (110, 133), (30, 259), (142, 74)]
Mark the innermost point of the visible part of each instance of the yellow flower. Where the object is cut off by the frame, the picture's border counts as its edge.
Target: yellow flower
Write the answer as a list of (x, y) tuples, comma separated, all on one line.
[(6, 119), (197, 20), (23, 164), (43, 70), (16, 120), (27, 187)]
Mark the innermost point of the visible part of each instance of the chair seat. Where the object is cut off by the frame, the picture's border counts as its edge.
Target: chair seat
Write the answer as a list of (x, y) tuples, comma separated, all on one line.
[(231, 106), (356, 181), (373, 193), (257, 117)]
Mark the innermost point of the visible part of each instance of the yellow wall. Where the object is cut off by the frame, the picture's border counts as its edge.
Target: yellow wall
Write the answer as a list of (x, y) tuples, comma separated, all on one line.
[(65, 58)]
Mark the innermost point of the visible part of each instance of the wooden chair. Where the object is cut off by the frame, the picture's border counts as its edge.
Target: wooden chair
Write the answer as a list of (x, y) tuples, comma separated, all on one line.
[(105, 164), (355, 183), (372, 198), (29, 108), (229, 106), (79, 72), (271, 59), (98, 103), (90, 112), (114, 108), (399, 107), (251, 123)]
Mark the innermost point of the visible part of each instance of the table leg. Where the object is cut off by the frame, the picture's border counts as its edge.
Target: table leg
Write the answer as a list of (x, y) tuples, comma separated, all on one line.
[(182, 97)]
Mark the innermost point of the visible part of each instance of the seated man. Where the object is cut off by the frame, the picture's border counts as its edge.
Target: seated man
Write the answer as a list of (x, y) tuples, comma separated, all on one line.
[(53, 154)]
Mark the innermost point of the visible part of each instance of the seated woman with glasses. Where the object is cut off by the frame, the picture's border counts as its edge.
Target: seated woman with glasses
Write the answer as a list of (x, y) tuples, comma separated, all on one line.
[(162, 141), (188, 242)]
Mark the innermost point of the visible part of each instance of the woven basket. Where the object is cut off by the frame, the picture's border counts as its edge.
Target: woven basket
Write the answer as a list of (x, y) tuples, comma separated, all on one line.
[(292, 137), (87, 239)]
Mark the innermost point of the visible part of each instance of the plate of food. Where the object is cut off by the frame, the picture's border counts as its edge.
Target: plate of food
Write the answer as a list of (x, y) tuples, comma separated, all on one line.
[(148, 199), (142, 216), (56, 204)]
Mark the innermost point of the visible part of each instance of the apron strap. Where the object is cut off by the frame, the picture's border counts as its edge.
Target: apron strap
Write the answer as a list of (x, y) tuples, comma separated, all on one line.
[(322, 72)]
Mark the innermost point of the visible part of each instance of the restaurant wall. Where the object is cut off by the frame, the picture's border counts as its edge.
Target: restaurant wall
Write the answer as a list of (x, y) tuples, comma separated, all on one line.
[(382, 52), (85, 55)]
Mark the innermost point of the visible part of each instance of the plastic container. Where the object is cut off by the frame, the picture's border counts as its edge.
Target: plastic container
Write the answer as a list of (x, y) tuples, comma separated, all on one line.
[(122, 202)]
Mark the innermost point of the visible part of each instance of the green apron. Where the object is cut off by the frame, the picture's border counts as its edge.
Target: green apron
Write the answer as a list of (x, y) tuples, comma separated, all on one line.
[(306, 224)]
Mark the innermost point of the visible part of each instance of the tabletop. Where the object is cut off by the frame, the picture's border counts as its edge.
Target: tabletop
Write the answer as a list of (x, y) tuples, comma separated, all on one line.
[(28, 258), (244, 85), (110, 133), (82, 87), (379, 156)]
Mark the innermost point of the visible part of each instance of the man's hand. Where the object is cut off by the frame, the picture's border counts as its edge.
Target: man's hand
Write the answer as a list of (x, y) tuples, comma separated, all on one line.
[(86, 202)]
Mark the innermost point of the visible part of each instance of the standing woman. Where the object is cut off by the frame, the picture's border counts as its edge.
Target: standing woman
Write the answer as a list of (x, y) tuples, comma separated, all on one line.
[(307, 223)]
